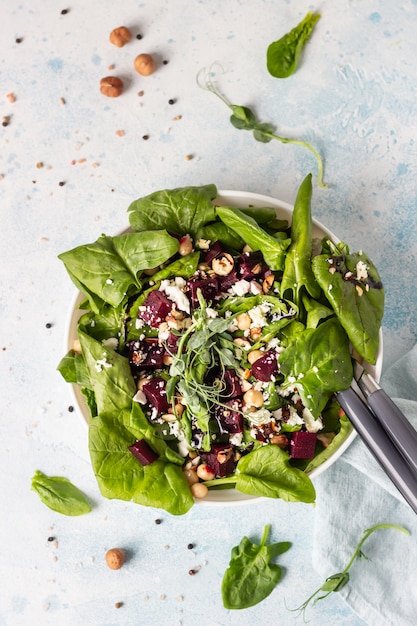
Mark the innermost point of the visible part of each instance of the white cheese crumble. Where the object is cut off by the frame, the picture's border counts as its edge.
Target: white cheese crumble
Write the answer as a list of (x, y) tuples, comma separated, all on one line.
[(139, 397), (109, 281), (293, 420), (174, 290), (261, 416), (313, 425), (100, 363), (241, 288), (139, 323), (211, 313), (361, 270), (236, 439), (258, 314)]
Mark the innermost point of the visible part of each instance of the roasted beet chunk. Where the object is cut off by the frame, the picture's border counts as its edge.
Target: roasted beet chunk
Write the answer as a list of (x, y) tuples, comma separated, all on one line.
[(225, 282), (266, 366), (251, 265), (302, 445), (229, 418), (155, 308), (209, 289), (220, 459), (172, 343), (232, 382), (215, 249), (142, 451), (145, 355), (155, 394)]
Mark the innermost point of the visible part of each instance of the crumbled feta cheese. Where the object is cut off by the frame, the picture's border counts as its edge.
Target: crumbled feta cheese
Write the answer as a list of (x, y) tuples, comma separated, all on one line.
[(139, 323), (109, 281), (139, 397), (203, 244), (211, 313), (236, 439), (111, 343), (261, 416), (255, 288), (163, 331), (174, 290), (100, 363), (313, 425), (241, 288), (258, 314)]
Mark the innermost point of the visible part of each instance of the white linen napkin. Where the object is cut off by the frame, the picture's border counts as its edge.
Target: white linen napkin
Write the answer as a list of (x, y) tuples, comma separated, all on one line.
[(353, 495)]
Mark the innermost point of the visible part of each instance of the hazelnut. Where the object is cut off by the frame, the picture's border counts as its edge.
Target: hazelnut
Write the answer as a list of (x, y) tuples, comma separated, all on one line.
[(144, 64), (115, 558), (223, 264), (120, 36), (111, 86)]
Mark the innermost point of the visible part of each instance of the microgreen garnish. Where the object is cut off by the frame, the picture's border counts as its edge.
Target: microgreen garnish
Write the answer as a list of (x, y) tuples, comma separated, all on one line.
[(204, 344), (243, 118), (336, 582)]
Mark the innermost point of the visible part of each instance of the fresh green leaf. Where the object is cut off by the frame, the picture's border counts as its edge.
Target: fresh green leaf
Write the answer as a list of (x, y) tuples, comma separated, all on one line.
[(318, 363), (251, 576), (180, 211), (60, 495), (353, 287), (140, 252), (283, 55)]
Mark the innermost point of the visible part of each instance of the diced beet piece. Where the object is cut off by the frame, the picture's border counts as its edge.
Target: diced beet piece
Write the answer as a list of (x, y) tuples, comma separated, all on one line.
[(266, 366), (145, 355), (302, 444), (232, 382), (209, 289), (172, 343), (220, 459), (229, 418), (155, 394), (156, 307), (142, 451), (215, 249), (225, 282), (251, 264)]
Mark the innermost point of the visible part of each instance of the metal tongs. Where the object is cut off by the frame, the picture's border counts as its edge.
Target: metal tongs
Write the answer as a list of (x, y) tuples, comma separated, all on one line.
[(385, 431)]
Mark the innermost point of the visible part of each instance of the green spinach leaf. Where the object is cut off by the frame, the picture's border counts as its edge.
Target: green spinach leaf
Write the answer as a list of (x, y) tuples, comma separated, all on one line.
[(180, 211), (139, 251), (273, 250), (251, 575), (60, 495), (283, 55), (353, 287), (318, 364)]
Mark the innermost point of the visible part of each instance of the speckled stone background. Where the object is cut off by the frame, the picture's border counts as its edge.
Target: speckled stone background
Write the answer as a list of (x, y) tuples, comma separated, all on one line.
[(353, 98)]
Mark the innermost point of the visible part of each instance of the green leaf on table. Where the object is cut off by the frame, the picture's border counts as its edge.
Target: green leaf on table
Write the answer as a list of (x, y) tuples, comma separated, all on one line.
[(283, 56), (251, 575), (60, 495)]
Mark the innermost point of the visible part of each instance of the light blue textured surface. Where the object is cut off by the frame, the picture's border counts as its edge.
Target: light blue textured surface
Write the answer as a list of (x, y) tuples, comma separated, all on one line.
[(353, 98)]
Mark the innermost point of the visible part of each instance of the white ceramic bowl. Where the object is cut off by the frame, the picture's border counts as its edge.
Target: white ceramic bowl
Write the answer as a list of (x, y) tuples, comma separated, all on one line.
[(284, 211)]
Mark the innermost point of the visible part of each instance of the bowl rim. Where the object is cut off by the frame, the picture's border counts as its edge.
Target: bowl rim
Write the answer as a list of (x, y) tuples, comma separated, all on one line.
[(228, 497)]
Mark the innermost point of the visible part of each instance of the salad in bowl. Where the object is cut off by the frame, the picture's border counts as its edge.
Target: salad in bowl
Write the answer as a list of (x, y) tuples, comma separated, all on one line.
[(208, 343)]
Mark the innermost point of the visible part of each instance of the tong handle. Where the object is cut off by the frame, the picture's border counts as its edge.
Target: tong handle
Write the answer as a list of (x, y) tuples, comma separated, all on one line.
[(380, 445), (394, 422)]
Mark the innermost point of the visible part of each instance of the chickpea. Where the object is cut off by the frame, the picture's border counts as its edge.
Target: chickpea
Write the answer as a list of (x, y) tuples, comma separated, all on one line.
[(115, 558), (204, 472), (111, 86), (253, 397), (120, 36), (243, 321), (191, 476), (254, 355), (144, 64), (186, 245), (199, 490)]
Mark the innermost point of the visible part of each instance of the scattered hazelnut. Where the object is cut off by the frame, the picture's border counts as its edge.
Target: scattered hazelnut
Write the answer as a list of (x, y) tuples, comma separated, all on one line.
[(144, 64), (120, 36), (111, 86), (115, 558)]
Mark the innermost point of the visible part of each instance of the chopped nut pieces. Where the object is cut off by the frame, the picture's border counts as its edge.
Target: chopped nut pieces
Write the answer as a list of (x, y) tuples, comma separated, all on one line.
[(111, 86), (144, 64), (120, 36), (115, 558)]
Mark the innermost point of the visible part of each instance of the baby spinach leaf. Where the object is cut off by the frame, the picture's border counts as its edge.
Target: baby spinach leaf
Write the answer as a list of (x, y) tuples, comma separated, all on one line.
[(217, 231), (185, 267), (283, 55), (139, 251), (119, 475), (251, 575), (60, 495), (180, 211), (97, 270), (318, 364), (357, 302), (109, 373), (266, 471), (298, 274), (273, 250)]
